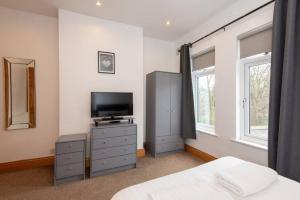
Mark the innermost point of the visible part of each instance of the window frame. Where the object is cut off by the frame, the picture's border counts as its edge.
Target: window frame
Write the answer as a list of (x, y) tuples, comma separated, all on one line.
[(244, 107), (195, 75)]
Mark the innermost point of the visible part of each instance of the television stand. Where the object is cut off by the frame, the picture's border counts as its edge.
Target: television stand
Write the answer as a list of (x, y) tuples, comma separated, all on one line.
[(113, 120)]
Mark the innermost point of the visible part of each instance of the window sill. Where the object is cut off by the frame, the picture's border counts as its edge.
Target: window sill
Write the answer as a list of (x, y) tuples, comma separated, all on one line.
[(251, 144), (206, 132)]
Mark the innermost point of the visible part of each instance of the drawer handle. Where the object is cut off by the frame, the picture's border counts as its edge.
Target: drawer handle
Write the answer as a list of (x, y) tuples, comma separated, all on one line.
[(125, 139), (70, 145), (103, 152), (70, 157), (104, 142), (125, 158)]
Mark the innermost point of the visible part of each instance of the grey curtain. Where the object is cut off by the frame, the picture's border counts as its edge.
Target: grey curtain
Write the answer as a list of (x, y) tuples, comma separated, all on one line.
[(188, 114), (284, 113)]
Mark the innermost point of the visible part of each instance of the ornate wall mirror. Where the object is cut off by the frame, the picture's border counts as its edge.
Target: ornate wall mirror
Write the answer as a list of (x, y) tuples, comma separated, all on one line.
[(19, 77)]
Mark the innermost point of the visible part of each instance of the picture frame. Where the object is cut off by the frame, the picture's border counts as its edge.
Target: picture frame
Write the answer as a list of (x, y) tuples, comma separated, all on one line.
[(106, 62)]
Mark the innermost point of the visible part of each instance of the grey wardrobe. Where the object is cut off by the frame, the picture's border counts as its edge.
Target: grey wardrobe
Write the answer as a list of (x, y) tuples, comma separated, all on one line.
[(163, 112)]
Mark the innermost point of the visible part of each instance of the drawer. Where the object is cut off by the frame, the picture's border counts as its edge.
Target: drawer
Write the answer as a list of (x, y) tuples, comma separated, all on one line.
[(110, 163), (115, 151), (169, 139), (69, 147), (64, 171), (113, 142), (64, 159), (113, 132), (160, 148)]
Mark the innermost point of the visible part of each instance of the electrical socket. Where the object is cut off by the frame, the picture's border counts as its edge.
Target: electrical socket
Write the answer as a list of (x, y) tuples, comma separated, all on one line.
[(52, 151)]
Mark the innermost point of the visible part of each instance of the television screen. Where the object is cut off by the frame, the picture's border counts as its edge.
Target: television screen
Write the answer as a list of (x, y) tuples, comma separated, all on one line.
[(109, 104)]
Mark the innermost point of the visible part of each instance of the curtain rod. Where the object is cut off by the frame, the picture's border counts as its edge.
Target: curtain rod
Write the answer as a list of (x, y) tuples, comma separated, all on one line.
[(228, 24)]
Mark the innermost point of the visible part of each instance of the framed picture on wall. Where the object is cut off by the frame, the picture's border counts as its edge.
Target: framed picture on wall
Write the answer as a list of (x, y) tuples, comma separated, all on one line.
[(106, 62)]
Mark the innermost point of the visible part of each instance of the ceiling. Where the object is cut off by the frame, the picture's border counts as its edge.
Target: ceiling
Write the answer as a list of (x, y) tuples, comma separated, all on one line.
[(152, 15)]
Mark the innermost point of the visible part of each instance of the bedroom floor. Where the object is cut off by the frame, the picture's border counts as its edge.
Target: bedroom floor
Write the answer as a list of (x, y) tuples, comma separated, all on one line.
[(36, 184)]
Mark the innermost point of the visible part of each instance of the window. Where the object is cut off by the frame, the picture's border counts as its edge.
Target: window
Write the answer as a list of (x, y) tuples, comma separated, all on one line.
[(204, 84), (204, 90), (254, 77), (255, 90)]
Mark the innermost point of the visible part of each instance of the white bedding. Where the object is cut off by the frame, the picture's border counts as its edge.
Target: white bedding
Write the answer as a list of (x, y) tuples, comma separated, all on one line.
[(282, 189), (193, 190)]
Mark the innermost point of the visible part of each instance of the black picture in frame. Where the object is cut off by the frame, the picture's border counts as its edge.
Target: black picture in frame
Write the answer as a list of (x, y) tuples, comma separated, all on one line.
[(106, 62)]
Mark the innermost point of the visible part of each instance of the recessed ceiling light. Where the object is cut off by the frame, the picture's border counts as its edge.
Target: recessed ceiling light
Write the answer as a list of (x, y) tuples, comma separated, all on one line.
[(98, 3), (168, 23)]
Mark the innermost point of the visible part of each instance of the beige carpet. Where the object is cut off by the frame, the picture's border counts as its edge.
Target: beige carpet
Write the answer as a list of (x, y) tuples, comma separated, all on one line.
[(36, 184)]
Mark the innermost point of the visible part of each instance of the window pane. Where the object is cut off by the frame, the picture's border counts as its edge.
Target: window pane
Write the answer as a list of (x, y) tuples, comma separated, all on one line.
[(259, 99), (206, 99)]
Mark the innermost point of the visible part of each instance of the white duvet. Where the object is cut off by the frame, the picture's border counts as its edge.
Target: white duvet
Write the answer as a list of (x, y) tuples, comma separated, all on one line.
[(282, 189)]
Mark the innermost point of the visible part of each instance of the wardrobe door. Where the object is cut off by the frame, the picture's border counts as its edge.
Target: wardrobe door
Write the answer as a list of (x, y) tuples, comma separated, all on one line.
[(163, 94), (176, 84)]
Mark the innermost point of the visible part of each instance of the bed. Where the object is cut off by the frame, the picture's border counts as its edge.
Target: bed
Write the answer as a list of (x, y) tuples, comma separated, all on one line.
[(283, 188)]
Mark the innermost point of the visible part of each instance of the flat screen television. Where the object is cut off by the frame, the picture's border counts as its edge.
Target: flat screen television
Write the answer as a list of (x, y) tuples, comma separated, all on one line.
[(111, 104)]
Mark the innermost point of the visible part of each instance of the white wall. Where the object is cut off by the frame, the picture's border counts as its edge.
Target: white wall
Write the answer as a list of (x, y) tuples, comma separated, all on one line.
[(80, 37), (27, 35), (226, 45), (159, 55)]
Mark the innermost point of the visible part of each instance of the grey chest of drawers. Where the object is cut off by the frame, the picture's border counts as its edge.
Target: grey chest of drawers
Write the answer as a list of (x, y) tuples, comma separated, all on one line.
[(69, 158), (113, 148)]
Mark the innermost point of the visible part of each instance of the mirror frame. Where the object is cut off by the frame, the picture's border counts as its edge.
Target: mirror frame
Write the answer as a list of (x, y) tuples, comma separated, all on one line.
[(31, 101)]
